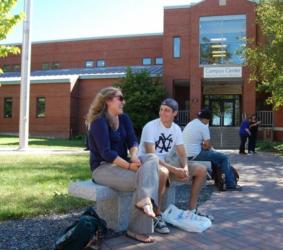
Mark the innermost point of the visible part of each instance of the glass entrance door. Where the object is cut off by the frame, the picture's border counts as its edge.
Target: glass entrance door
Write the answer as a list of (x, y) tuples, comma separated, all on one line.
[(223, 112)]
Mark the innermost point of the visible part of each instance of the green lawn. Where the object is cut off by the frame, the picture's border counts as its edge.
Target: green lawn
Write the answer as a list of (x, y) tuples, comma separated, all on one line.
[(13, 142), (37, 184)]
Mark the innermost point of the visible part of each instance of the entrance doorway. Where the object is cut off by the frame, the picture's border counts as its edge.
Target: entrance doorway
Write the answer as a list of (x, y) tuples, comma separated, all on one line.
[(225, 110)]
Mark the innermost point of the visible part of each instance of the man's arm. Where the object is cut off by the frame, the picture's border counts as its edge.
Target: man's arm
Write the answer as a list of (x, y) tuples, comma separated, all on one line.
[(182, 173)]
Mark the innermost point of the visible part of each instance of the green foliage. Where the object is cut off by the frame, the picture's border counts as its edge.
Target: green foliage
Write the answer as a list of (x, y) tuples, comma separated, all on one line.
[(143, 95), (7, 21), (265, 58), (275, 147)]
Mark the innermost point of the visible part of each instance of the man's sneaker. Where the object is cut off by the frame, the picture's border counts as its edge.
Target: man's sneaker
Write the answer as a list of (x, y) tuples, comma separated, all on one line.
[(160, 225), (209, 216)]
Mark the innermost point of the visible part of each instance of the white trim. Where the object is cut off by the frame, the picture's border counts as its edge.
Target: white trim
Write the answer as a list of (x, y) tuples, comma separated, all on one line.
[(182, 6), (41, 79), (278, 129)]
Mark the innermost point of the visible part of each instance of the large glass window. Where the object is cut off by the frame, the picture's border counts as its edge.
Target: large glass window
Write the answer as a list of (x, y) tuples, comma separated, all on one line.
[(177, 47), (222, 39), (8, 107), (40, 107)]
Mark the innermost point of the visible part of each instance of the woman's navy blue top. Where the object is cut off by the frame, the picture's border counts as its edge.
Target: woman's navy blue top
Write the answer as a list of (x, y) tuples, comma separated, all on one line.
[(106, 144), (244, 126)]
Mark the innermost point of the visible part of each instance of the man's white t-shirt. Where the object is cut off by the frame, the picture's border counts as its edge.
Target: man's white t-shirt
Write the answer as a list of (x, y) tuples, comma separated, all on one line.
[(163, 138), (194, 134)]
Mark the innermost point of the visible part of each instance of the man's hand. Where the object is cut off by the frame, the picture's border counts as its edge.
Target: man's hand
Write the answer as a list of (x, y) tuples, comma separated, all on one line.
[(181, 173)]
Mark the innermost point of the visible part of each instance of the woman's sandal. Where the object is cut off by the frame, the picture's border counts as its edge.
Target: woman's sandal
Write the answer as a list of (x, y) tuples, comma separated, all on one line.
[(146, 207), (140, 237)]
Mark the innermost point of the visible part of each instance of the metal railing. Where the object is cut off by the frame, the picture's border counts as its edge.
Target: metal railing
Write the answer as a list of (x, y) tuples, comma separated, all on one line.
[(183, 117), (266, 118)]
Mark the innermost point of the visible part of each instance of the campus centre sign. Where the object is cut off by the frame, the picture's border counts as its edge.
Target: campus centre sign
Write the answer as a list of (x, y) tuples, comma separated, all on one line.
[(222, 72)]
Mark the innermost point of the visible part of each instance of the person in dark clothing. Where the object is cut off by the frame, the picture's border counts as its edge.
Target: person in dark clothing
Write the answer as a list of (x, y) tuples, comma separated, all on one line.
[(244, 134), (114, 161), (253, 127)]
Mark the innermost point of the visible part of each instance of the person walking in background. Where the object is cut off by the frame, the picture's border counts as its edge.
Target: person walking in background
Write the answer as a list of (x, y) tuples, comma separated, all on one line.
[(111, 136), (253, 127), (244, 134)]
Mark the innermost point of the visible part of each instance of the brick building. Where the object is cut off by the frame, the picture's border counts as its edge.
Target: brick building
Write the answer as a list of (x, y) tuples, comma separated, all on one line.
[(197, 56)]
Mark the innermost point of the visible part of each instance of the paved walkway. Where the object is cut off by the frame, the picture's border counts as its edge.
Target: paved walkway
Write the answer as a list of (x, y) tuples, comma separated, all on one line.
[(251, 219)]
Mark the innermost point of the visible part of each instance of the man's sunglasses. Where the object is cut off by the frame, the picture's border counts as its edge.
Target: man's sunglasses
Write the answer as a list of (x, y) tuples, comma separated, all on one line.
[(120, 97)]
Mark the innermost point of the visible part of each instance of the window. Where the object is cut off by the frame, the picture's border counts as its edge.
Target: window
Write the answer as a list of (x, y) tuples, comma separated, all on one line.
[(40, 107), (146, 61), (16, 67), (8, 107), (177, 47), (89, 64), (55, 65), (100, 63), (45, 66), (6, 67), (159, 60), (222, 39)]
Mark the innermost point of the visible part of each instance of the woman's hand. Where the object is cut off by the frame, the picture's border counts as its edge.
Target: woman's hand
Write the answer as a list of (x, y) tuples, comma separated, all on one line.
[(135, 159), (134, 166)]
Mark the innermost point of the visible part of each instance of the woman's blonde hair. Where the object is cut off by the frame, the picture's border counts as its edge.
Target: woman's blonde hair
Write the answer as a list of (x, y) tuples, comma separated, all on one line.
[(98, 106)]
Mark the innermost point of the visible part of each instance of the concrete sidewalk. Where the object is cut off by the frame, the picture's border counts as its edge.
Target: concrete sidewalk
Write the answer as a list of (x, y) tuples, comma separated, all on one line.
[(251, 219)]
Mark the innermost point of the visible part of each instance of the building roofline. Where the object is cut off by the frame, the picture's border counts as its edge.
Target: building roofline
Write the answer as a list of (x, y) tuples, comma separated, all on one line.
[(193, 4), (90, 38)]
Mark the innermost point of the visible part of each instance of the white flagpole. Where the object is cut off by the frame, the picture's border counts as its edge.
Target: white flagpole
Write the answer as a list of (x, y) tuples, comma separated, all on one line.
[(25, 79)]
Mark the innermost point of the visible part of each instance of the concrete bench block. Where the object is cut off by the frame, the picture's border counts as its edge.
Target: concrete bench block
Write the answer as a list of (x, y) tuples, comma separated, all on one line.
[(113, 206)]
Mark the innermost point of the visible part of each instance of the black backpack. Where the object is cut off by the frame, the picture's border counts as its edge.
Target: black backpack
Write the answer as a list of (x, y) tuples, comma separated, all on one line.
[(85, 233), (219, 177)]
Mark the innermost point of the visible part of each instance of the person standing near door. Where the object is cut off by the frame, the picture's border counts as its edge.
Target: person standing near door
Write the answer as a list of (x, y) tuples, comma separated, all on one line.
[(244, 134), (253, 126)]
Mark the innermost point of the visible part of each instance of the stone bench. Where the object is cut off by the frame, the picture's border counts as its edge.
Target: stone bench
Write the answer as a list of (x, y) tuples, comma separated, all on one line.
[(112, 205)]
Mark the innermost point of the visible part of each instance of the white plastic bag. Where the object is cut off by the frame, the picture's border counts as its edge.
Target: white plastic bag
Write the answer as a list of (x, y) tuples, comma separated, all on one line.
[(186, 220)]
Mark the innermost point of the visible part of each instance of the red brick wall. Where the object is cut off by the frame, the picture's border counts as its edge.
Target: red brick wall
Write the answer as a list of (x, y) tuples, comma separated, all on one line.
[(72, 54), (57, 120), (184, 22)]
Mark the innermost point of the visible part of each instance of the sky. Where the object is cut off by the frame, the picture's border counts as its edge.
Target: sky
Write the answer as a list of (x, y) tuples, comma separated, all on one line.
[(69, 19)]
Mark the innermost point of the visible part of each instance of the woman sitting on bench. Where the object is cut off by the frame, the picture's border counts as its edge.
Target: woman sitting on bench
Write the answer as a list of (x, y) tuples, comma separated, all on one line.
[(111, 135)]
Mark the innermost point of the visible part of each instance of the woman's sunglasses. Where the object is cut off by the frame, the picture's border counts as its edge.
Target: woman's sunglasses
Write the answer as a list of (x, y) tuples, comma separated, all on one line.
[(120, 97)]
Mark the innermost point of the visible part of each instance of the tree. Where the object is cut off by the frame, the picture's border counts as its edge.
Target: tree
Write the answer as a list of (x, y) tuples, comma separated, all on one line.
[(143, 96), (7, 21), (265, 58)]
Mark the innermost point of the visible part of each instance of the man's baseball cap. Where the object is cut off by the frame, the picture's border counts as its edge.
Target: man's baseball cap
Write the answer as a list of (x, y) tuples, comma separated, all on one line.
[(170, 102), (204, 114)]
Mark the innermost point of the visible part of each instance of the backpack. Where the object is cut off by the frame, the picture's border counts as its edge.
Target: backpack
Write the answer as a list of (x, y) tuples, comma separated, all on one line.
[(85, 233), (219, 177)]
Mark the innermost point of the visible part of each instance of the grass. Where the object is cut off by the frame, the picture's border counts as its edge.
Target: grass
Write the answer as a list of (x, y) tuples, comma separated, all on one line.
[(13, 142), (37, 184), (275, 147)]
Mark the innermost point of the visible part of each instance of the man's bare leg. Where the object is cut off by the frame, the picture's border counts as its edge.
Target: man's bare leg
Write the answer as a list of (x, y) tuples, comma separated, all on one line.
[(198, 178)]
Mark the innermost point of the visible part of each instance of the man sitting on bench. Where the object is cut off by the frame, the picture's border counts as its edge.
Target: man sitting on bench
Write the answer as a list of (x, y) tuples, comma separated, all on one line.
[(198, 147), (159, 136)]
